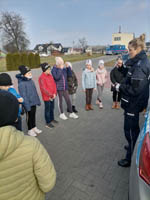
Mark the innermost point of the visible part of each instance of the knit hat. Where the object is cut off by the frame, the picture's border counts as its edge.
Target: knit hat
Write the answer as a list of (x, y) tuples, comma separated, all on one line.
[(59, 61), (24, 69), (44, 66), (101, 62), (5, 79), (69, 64), (89, 62), (9, 108)]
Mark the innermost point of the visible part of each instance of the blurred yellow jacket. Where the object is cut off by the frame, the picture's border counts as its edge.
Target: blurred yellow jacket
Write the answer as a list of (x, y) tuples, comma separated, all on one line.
[(26, 170)]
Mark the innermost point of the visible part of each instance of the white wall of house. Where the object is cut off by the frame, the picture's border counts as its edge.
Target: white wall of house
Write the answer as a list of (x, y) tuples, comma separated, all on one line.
[(122, 38)]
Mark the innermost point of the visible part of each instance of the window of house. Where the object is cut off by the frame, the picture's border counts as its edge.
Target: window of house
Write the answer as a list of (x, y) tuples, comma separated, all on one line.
[(117, 38)]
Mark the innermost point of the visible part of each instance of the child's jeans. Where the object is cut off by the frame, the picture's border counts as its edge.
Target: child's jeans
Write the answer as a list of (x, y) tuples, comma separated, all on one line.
[(49, 111)]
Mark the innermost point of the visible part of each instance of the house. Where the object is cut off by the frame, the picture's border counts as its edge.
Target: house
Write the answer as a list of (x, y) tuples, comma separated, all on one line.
[(98, 49), (122, 38), (67, 50), (88, 50), (77, 51), (48, 48)]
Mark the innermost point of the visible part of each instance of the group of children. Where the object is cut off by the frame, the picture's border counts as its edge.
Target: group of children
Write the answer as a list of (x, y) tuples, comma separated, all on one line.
[(59, 81), (92, 80)]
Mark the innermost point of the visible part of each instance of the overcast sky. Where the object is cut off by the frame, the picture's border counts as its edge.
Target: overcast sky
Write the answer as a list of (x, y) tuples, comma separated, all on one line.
[(65, 21)]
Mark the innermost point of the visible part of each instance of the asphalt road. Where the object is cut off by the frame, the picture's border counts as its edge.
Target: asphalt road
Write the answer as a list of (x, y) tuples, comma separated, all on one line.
[(85, 151)]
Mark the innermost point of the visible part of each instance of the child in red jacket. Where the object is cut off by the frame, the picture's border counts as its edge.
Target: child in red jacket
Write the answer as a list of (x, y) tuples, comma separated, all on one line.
[(49, 92)]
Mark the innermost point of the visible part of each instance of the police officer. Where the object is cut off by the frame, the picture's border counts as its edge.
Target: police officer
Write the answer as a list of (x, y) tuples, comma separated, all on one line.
[(135, 93)]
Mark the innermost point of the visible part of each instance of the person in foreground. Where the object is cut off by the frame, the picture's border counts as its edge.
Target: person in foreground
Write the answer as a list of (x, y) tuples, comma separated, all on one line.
[(135, 94), (26, 170)]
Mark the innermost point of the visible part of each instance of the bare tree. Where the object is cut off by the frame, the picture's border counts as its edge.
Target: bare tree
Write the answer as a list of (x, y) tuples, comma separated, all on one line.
[(83, 43), (13, 36)]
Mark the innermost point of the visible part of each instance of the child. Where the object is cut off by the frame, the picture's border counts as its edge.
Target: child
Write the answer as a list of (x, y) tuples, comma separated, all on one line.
[(48, 91), (6, 84), (72, 86), (60, 74), (88, 83), (29, 93), (101, 78), (117, 74)]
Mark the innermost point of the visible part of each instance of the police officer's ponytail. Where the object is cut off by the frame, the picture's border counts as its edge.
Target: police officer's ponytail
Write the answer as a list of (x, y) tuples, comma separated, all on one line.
[(138, 42)]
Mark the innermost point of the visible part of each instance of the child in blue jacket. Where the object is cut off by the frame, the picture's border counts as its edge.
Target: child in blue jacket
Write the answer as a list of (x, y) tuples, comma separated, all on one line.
[(6, 84), (88, 83)]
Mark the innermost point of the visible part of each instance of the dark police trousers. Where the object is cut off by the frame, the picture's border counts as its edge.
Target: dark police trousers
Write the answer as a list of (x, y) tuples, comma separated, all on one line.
[(131, 130)]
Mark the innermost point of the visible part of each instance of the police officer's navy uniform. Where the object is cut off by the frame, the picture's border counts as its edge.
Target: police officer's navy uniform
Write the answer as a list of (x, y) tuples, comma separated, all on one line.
[(135, 94)]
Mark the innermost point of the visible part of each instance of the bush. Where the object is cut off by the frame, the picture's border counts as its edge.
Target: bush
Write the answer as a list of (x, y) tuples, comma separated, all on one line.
[(37, 60), (16, 61), (13, 61), (31, 59), (9, 61), (24, 59)]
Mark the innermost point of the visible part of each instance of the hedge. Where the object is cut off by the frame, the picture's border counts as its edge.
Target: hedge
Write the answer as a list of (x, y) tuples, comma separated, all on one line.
[(14, 60)]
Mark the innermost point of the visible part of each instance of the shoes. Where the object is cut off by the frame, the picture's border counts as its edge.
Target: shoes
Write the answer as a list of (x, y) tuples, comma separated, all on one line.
[(117, 105), (36, 130), (73, 115), (113, 105), (32, 133), (126, 147), (63, 116), (100, 105), (87, 107), (49, 126), (97, 102), (54, 121), (124, 163), (90, 107), (74, 109)]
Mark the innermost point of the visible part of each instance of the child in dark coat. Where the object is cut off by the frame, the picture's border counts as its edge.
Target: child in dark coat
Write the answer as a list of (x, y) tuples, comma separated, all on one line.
[(117, 74), (29, 93), (72, 86)]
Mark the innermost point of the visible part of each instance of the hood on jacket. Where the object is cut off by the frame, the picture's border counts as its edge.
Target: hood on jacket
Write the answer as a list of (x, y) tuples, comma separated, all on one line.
[(20, 78), (10, 139), (140, 56)]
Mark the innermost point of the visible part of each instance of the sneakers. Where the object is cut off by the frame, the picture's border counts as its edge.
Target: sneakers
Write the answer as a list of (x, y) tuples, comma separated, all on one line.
[(73, 115), (74, 109), (100, 105), (36, 130), (49, 125), (32, 133), (54, 121), (63, 116)]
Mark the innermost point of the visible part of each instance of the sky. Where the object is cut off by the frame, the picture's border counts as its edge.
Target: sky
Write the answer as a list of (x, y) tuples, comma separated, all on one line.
[(66, 21)]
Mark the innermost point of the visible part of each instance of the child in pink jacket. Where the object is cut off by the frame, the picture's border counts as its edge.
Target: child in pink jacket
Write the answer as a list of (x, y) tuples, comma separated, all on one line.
[(101, 78)]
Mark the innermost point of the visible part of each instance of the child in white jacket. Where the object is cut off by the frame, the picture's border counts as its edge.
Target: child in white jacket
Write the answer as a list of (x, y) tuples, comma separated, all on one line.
[(101, 78), (89, 83)]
